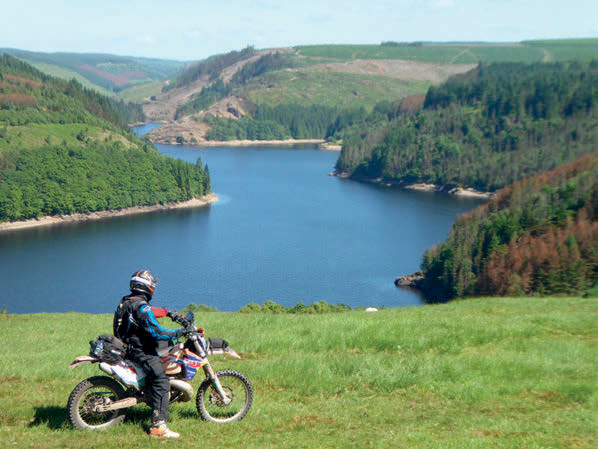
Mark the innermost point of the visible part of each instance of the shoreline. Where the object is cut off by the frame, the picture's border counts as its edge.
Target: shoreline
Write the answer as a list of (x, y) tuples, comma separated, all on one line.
[(51, 220), (169, 139), (421, 187), (240, 143)]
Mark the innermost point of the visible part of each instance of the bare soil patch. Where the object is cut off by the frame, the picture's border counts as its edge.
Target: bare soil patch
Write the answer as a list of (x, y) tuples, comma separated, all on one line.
[(20, 79), (165, 104)]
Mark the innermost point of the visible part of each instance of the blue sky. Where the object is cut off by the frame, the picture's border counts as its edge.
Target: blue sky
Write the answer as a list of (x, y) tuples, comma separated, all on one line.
[(189, 30)]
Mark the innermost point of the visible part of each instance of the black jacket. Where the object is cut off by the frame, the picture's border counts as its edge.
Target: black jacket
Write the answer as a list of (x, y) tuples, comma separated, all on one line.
[(135, 324)]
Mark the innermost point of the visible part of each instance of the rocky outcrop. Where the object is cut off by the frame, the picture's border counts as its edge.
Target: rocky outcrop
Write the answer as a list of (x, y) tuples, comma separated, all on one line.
[(422, 187), (414, 281), (417, 281)]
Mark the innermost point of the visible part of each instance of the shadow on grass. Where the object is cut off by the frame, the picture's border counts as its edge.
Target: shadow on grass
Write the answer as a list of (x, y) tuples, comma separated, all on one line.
[(55, 417)]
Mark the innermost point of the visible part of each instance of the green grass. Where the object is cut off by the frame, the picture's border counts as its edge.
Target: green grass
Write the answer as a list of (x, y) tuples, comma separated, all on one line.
[(529, 51), (68, 74), (311, 86), (42, 134), (481, 373), (140, 92)]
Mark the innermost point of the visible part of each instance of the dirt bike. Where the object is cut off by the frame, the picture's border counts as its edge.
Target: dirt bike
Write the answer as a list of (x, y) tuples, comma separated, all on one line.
[(100, 402)]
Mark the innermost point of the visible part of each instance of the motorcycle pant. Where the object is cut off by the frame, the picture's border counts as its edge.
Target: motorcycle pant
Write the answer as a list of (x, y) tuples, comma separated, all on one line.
[(157, 385)]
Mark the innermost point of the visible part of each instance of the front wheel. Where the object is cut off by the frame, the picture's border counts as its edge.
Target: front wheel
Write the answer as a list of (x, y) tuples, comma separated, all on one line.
[(210, 405), (87, 396)]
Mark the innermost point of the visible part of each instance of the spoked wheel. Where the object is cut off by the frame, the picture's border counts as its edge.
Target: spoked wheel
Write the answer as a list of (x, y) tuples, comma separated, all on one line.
[(212, 407), (90, 394)]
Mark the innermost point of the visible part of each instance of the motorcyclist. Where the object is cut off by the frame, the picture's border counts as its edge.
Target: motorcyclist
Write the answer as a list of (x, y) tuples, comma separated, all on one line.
[(135, 323)]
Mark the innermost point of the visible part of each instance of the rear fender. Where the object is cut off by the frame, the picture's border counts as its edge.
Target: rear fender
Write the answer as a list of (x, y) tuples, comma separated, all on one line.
[(81, 360)]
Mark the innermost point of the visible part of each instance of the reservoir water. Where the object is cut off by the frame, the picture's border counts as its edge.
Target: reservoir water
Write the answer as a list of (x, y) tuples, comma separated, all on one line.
[(283, 231)]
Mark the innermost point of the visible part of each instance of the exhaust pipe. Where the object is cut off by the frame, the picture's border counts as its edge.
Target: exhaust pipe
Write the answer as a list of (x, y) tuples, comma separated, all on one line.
[(183, 387)]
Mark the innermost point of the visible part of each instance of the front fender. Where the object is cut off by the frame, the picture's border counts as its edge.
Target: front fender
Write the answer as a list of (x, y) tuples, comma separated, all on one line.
[(81, 360)]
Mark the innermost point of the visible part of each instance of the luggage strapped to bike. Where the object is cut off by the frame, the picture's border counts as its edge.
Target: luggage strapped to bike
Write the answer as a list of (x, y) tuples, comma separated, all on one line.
[(108, 348)]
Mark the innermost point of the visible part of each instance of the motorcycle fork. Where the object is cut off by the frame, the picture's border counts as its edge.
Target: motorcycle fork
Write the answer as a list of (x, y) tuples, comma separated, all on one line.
[(210, 374)]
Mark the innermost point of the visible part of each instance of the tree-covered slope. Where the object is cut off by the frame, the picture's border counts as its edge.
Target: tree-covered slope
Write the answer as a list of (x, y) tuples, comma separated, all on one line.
[(110, 73), (30, 96), (536, 236), (65, 149), (485, 129)]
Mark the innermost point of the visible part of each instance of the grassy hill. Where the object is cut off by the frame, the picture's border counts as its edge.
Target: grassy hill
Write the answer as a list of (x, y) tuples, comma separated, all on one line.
[(103, 72), (462, 52), (344, 78), (237, 85), (479, 373)]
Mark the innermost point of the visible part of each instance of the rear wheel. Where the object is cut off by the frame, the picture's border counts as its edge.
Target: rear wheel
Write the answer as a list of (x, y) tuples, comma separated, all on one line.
[(237, 387), (87, 396)]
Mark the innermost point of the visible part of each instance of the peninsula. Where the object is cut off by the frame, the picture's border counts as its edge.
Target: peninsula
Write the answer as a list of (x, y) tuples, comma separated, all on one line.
[(51, 220)]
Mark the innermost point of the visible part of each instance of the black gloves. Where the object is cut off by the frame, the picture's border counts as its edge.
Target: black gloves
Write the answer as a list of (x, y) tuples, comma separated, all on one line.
[(173, 316), (177, 318)]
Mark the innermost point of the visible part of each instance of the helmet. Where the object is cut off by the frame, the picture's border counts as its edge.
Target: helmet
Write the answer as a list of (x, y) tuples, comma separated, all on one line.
[(143, 281)]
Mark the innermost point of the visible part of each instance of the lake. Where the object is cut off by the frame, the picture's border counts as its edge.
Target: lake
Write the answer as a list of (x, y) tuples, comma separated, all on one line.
[(283, 231)]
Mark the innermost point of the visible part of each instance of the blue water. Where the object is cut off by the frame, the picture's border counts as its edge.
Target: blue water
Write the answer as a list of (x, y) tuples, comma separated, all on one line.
[(283, 230)]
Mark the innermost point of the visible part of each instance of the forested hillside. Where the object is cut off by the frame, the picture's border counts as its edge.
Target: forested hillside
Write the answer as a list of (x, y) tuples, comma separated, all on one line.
[(485, 129), (103, 72), (30, 96), (210, 68), (65, 149), (536, 236)]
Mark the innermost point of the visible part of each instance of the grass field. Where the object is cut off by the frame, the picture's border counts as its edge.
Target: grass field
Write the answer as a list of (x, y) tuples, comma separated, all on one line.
[(307, 87), (463, 53), (140, 92), (481, 373), (41, 134)]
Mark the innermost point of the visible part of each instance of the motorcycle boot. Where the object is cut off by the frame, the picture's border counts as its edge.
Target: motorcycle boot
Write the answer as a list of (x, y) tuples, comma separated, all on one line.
[(159, 429)]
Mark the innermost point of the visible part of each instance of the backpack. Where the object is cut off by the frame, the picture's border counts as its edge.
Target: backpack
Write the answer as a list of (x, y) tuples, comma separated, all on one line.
[(108, 348), (121, 324)]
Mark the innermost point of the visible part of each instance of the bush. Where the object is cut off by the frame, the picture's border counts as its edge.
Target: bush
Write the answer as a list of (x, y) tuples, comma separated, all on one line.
[(315, 308), (198, 308)]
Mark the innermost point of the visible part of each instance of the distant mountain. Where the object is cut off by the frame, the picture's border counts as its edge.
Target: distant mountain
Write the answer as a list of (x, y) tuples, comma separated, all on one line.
[(104, 72)]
